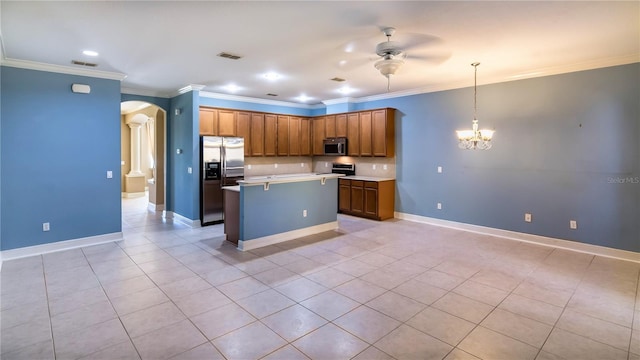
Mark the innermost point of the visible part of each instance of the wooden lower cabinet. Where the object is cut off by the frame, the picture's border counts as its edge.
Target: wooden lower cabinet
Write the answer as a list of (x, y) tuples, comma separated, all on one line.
[(369, 199)]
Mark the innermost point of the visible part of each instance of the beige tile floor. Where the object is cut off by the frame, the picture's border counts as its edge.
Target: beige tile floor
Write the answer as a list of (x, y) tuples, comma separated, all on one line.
[(372, 290)]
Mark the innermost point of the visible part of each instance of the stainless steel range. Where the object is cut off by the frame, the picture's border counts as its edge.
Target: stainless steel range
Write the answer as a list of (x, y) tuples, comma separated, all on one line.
[(346, 169)]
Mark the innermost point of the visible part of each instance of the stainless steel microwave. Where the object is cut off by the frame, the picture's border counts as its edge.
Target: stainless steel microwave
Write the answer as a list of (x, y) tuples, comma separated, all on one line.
[(335, 146)]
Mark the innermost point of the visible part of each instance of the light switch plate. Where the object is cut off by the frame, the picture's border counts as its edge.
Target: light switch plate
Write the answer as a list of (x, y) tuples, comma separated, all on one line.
[(109, 174)]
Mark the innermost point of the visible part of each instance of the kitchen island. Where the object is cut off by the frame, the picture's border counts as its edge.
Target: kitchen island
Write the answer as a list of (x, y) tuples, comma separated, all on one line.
[(277, 208)]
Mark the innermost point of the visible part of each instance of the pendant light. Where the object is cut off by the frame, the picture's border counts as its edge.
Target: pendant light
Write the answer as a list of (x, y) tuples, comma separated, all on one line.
[(474, 138)]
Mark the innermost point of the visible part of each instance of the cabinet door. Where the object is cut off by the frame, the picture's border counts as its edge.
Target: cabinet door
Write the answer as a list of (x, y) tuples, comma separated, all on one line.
[(270, 134), (294, 136), (357, 197), (365, 133), (330, 126), (226, 123), (208, 121), (344, 195), (257, 134), (341, 125), (318, 135), (371, 199), (283, 135), (243, 130), (383, 132), (305, 137), (353, 134)]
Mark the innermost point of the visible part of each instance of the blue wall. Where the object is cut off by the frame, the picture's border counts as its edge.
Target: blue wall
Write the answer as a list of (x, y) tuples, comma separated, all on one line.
[(278, 210), (56, 149), (565, 148), (248, 106), (183, 133)]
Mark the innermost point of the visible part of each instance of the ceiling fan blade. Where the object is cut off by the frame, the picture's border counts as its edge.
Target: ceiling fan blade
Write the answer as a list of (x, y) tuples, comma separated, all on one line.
[(432, 57), (410, 41)]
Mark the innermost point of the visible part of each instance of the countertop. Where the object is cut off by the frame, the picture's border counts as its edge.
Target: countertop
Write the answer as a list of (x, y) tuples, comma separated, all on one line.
[(284, 178), (368, 178), (232, 188)]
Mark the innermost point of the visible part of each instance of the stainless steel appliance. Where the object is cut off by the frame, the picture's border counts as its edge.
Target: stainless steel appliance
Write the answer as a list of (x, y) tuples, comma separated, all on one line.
[(335, 146), (345, 169), (222, 165)]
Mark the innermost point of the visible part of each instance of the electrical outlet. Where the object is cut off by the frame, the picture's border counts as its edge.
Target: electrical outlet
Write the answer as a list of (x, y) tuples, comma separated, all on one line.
[(439, 169), (45, 226), (439, 206), (301, 164), (189, 170), (109, 174), (304, 213), (374, 166), (573, 224), (527, 217), (249, 167), (326, 164), (275, 166), (384, 167)]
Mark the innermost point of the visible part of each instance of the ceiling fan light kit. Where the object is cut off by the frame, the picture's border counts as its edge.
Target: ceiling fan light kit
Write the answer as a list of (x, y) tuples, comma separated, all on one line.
[(474, 138)]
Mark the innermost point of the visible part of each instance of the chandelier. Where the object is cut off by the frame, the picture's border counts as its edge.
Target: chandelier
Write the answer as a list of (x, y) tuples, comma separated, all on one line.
[(474, 138)]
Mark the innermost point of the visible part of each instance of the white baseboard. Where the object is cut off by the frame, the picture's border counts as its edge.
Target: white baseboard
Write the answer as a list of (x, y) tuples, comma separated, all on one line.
[(132, 195), (58, 246), (155, 207), (285, 236), (528, 238), (171, 216)]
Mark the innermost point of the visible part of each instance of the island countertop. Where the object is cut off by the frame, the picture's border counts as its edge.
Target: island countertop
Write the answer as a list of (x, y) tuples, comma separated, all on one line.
[(285, 178)]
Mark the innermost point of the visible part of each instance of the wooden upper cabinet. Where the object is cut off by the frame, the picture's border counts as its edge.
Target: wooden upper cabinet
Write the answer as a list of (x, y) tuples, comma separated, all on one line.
[(353, 134), (257, 134), (365, 133), (283, 135), (330, 126), (226, 123), (243, 130), (341, 125), (382, 132), (208, 121), (305, 137), (270, 134), (318, 135), (294, 136)]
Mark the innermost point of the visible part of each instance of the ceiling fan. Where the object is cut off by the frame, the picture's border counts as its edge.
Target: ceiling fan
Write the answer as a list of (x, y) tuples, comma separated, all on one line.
[(392, 54)]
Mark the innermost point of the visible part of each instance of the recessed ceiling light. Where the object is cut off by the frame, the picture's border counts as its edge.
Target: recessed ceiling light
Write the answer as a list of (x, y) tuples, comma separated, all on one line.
[(90, 53), (303, 98), (272, 76), (346, 90), (232, 88)]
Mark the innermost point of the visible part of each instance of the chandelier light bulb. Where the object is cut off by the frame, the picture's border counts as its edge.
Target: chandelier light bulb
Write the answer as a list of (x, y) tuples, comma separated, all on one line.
[(474, 138)]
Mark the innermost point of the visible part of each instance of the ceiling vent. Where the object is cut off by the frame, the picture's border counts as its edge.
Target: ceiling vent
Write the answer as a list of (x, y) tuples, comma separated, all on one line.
[(338, 79), (83, 63), (229, 56), (272, 94)]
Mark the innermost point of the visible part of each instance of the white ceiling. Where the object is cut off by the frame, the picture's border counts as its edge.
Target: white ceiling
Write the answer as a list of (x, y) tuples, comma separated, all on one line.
[(162, 46)]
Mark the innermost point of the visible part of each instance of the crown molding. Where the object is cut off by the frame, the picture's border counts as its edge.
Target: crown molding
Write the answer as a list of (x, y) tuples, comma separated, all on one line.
[(190, 87), (34, 65), (219, 96), (340, 101)]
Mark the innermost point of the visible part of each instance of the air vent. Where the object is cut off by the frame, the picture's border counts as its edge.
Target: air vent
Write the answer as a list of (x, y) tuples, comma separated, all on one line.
[(272, 94), (83, 63), (338, 79), (229, 56)]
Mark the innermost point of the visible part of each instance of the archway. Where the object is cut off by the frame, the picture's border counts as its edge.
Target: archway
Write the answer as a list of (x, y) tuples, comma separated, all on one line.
[(143, 152)]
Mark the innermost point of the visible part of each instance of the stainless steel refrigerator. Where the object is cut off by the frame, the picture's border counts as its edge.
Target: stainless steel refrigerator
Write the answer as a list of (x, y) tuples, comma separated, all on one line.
[(222, 165)]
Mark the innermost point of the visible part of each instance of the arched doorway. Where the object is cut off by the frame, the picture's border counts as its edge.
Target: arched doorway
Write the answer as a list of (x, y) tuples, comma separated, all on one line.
[(143, 155)]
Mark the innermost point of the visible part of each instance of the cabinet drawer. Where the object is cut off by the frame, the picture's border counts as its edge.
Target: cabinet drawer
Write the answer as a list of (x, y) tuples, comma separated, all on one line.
[(357, 183), (371, 184), (344, 182)]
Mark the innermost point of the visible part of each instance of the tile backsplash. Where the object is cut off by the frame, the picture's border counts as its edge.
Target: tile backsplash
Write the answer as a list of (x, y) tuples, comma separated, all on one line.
[(365, 166)]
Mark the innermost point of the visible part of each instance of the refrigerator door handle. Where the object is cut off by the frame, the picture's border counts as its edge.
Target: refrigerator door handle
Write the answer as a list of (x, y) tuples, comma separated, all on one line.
[(223, 158)]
